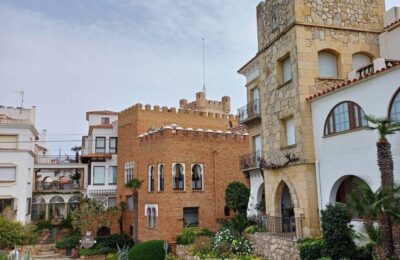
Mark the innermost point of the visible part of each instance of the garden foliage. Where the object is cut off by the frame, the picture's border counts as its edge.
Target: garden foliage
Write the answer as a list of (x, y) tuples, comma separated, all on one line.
[(148, 250)]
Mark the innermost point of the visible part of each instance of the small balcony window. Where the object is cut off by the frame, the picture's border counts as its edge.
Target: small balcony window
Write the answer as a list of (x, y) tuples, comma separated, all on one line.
[(178, 177)]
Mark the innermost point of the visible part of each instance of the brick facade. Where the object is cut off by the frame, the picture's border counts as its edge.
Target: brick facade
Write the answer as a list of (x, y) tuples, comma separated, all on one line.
[(168, 148)]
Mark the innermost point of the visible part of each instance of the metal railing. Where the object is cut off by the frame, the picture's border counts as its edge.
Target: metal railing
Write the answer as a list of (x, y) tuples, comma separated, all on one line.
[(251, 110), (287, 227), (56, 159), (251, 160), (52, 186)]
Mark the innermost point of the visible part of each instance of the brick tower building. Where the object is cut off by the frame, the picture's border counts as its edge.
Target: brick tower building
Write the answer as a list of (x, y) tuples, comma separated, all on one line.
[(186, 158)]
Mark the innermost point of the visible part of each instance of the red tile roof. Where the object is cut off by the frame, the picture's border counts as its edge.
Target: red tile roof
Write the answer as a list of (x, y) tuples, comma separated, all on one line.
[(392, 25), (350, 83), (97, 155), (100, 112), (105, 126)]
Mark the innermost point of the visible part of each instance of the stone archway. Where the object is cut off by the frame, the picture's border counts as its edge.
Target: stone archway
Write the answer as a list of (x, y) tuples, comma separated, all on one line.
[(285, 190), (261, 199)]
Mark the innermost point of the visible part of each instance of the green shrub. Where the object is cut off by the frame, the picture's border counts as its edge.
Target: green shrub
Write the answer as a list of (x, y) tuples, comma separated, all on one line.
[(202, 244), (68, 242), (114, 240), (43, 224), (311, 248), (66, 223), (148, 250), (338, 236), (188, 235), (14, 233), (251, 229), (237, 197), (363, 253), (98, 250)]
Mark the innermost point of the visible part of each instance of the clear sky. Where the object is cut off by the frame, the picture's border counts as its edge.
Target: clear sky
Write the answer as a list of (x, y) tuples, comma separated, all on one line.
[(72, 56)]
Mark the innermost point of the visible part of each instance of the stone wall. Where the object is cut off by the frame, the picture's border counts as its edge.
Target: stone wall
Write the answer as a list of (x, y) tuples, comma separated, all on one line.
[(272, 247)]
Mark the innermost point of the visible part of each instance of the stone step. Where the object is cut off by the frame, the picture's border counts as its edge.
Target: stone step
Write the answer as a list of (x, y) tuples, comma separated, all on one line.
[(52, 256), (47, 252)]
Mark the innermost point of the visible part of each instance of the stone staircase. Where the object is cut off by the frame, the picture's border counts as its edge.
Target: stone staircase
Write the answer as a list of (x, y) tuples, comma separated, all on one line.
[(46, 252)]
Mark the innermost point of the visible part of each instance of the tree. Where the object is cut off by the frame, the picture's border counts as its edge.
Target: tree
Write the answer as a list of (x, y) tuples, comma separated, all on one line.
[(14, 233), (92, 215), (373, 206), (237, 197), (385, 127), (122, 206), (76, 149), (337, 234), (134, 185)]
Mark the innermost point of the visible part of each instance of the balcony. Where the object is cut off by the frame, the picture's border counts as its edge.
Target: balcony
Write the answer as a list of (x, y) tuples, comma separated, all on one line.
[(57, 186), (54, 159), (251, 161), (250, 112)]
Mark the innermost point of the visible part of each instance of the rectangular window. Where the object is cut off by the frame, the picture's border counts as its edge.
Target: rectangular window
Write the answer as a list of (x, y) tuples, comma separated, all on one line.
[(286, 68), (4, 203), (112, 175), (191, 217), (129, 203), (8, 174), (28, 206), (112, 202), (98, 175), (129, 166), (8, 142), (105, 120), (100, 144), (290, 131), (113, 145)]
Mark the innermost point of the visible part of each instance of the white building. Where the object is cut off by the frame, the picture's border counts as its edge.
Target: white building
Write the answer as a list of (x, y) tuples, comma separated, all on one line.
[(17, 146), (345, 150), (99, 151)]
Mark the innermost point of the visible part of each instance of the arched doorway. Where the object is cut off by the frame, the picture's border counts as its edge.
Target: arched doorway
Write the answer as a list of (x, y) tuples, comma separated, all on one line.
[(38, 208), (284, 222), (104, 231), (57, 208), (344, 187), (261, 199)]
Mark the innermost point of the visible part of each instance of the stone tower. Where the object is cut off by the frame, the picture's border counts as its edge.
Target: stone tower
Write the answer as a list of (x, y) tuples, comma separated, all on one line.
[(303, 46)]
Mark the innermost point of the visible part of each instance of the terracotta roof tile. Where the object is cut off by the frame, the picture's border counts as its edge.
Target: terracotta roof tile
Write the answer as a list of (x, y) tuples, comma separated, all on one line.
[(392, 25), (349, 83)]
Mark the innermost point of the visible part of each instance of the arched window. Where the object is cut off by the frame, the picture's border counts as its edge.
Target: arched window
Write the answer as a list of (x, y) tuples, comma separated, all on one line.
[(148, 217), (151, 178), (197, 177), (178, 177), (154, 218), (327, 62), (394, 110), (344, 116), (360, 60), (160, 177)]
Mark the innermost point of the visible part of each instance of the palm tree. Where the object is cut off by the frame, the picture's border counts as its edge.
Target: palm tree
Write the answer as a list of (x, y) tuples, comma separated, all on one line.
[(134, 185), (76, 149), (377, 206), (122, 206), (385, 127)]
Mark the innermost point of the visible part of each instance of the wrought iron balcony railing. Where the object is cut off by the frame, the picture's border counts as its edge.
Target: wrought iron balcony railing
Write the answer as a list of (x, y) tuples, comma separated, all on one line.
[(249, 112), (53, 186), (251, 160), (287, 227)]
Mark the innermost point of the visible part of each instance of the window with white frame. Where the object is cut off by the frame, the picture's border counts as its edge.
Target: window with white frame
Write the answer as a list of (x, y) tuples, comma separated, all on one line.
[(197, 177), (178, 177), (129, 166), (161, 177), (98, 175), (286, 68), (100, 145), (290, 136), (112, 175), (151, 214), (105, 120), (113, 145), (8, 174), (151, 178)]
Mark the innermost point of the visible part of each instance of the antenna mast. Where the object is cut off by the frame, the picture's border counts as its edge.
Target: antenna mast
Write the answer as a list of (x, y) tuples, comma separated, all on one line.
[(21, 92), (204, 72)]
